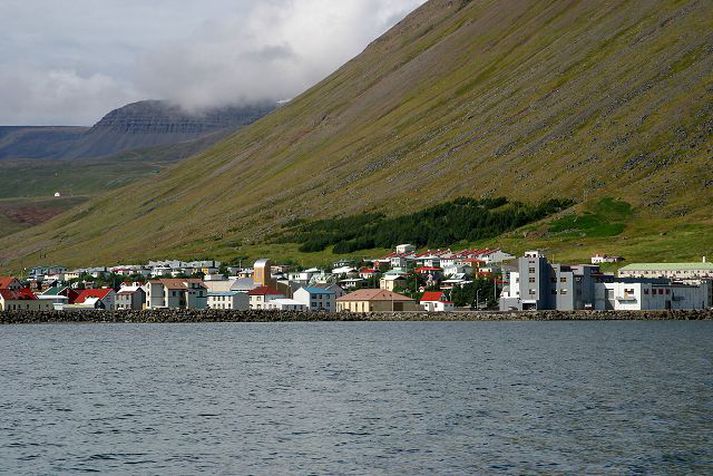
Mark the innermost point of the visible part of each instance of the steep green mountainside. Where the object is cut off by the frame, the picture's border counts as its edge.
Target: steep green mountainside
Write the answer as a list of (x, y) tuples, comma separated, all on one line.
[(525, 99)]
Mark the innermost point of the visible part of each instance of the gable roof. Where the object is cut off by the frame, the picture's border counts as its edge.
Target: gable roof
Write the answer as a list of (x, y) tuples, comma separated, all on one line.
[(54, 291), (6, 281), (433, 296), (264, 291), (374, 295), (700, 266), (312, 290), (92, 293), (21, 295)]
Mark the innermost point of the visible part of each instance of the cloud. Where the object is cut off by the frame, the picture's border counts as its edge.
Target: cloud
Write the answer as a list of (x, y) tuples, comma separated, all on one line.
[(38, 96), (274, 50), (80, 59)]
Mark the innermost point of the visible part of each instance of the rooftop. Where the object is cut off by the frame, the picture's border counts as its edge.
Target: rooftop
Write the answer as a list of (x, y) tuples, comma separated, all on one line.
[(374, 295), (703, 265)]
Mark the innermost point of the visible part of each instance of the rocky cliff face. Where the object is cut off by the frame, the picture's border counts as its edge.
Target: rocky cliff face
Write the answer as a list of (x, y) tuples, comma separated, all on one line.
[(134, 126)]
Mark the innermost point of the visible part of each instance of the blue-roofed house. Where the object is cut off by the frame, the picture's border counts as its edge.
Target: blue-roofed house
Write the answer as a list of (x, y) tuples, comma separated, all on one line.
[(317, 299)]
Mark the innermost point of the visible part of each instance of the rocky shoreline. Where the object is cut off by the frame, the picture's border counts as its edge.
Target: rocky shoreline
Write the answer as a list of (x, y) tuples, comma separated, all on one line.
[(157, 316)]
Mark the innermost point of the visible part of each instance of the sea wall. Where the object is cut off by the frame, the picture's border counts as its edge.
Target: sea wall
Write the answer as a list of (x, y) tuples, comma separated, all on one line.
[(190, 316)]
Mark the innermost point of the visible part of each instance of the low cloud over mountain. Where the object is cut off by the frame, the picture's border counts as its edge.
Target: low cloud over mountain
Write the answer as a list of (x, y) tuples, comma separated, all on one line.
[(75, 62)]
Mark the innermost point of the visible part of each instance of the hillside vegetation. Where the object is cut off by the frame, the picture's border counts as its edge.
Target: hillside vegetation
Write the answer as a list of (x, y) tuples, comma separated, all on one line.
[(526, 99)]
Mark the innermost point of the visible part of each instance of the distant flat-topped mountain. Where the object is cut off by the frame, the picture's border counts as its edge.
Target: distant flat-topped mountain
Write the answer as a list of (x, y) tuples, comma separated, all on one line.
[(152, 123), (138, 125)]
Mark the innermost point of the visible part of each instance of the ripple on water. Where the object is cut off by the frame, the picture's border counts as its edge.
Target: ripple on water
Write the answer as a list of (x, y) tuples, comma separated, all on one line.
[(385, 398)]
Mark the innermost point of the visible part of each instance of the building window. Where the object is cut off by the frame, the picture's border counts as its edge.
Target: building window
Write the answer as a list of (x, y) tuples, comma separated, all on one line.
[(532, 279), (532, 292), (563, 279), (646, 291), (531, 270)]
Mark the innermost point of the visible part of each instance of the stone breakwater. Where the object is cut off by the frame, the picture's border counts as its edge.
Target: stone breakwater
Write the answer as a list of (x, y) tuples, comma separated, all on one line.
[(191, 316)]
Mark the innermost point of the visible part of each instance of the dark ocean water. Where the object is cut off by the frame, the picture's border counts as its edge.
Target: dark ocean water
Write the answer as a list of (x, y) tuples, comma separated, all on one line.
[(358, 398)]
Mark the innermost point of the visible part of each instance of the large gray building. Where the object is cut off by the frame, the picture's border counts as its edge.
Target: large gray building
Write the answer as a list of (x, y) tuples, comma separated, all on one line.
[(539, 285)]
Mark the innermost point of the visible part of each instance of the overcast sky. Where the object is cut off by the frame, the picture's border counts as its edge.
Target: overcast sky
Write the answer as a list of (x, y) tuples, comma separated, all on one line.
[(70, 62)]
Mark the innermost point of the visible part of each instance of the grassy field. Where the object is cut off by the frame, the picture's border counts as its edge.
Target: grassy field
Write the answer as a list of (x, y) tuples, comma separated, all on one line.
[(524, 99)]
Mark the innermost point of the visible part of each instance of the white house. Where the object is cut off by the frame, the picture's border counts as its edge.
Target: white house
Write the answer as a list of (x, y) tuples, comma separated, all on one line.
[(405, 248), (317, 299), (261, 296), (282, 304), (232, 300), (436, 301), (600, 259)]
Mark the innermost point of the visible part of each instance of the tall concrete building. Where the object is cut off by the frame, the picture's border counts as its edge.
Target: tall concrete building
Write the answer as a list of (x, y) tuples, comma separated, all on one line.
[(539, 285)]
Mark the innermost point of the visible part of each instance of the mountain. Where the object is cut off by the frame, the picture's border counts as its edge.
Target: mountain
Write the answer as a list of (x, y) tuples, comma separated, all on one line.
[(138, 125), (37, 142), (520, 98)]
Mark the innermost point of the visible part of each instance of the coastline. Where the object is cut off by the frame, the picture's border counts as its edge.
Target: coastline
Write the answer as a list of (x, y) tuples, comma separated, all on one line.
[(177, 316)]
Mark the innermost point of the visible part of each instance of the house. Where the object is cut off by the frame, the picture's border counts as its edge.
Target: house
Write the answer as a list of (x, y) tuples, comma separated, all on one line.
[(131, 297), (176, 294), (260, 296), (317, 299), (436, 301), (338, 290), (375, 300), (601, 259), (22, 299), (283, 304), (233, 300), (59, 296), (352, 283), (104, 298), (405, 249), (8, 282), (366, 273), (392, 281), (675, 271)]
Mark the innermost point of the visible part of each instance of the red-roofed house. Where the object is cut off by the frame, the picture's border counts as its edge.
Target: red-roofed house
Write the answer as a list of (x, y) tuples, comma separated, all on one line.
[(8, 282), (259, 297), (436, 301), (104, 298), (22, 300)]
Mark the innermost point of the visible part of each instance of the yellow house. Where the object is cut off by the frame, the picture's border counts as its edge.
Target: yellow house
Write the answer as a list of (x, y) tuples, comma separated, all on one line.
[(376, 300)]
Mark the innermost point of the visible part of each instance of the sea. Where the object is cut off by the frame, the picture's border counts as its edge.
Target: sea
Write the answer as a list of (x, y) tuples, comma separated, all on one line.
[(357, 398)]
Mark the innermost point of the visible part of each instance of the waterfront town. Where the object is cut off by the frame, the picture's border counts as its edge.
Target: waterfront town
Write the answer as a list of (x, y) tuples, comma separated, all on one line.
[(405, 280)]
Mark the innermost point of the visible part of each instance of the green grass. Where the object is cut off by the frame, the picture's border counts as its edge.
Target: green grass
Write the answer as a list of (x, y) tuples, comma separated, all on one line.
[(604, 218)]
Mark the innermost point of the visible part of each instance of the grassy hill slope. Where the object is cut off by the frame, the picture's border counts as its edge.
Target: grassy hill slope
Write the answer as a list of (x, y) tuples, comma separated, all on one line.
[(526, 99)]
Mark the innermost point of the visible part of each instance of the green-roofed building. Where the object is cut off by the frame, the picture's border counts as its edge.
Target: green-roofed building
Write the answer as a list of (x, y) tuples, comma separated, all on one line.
[(676, 271)]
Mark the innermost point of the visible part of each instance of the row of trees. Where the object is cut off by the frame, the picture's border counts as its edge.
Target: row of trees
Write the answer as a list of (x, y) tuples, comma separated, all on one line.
[(463, 219)]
